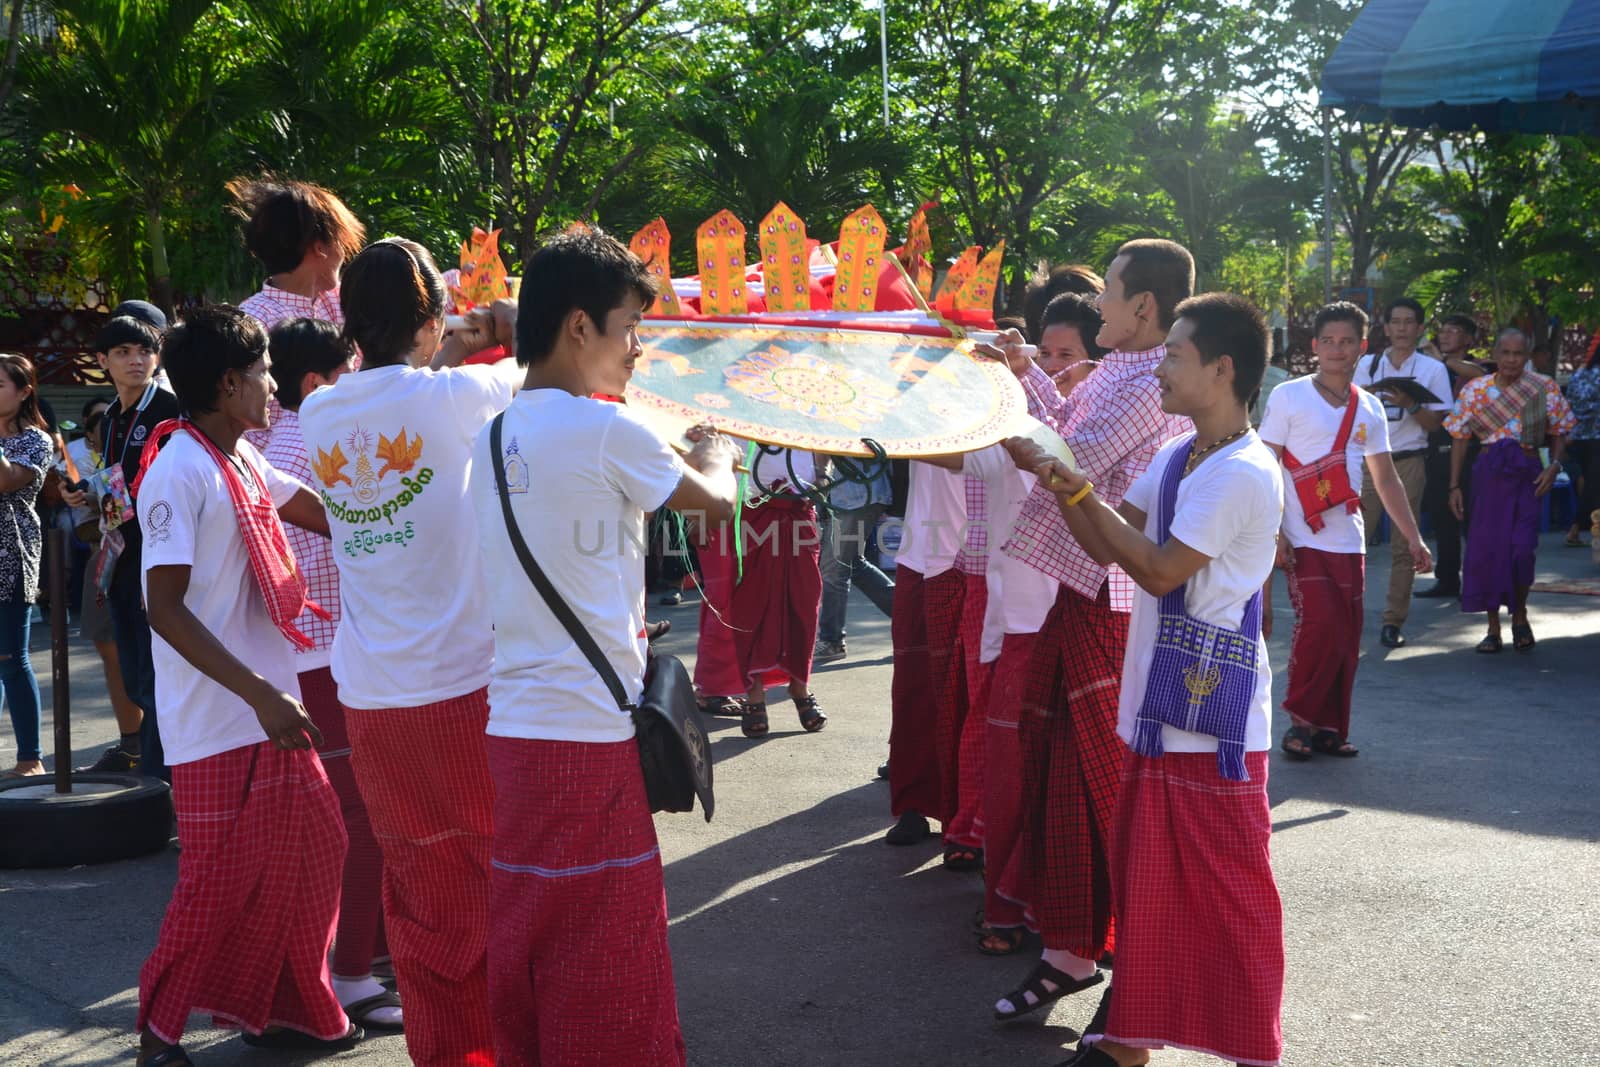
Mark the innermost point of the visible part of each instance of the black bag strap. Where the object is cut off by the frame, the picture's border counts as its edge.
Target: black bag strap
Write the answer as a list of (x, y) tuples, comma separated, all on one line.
[(558, 606)]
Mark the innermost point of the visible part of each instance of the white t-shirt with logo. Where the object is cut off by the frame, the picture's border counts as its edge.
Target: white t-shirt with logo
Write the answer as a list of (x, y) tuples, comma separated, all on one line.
[(580, 474), (936, 514), (1228, 509), (392, 448), (1405, 432), (1299, 419), (188, 520), (1019, 596)]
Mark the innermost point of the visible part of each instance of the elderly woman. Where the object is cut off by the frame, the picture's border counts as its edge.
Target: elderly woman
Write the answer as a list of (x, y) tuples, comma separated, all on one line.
[(1513, 413)]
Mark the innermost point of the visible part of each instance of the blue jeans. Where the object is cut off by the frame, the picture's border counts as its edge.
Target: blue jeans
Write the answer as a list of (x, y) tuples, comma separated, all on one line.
[(132, 629), (843, 558), (16, 674)]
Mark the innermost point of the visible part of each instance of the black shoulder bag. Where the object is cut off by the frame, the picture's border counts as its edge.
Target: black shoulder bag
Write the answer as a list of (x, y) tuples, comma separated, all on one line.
[(673, 752)]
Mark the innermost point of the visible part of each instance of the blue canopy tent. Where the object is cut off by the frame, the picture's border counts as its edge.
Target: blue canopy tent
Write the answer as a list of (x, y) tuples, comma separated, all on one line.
[(1498, 65)]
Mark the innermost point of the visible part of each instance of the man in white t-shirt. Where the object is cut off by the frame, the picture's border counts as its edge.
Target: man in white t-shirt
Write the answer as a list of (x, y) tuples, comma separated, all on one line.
[(1323, 428), (579, 968), (1410, 423), (247, 932), (1197, 534)]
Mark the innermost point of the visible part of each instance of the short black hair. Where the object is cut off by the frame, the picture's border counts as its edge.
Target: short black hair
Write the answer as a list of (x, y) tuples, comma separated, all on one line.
[(1464, 322), (305, 345), (1164, 269), (1404, 302), (1078, 311), (90, 418), (210, 341), (583, 269), (1340, 311), (1230, 325), (389, 292), (126, 330), (1050, 282)]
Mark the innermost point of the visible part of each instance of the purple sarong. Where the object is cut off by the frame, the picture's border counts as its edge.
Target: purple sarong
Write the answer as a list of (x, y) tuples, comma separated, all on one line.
[(1504, 531)]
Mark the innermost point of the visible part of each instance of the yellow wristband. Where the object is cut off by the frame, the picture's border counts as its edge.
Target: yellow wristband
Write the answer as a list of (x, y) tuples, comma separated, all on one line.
[(1077, 498)]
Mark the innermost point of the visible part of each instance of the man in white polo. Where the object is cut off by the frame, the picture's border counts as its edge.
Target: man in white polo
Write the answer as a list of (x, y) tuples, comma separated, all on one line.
[(1410, 422)]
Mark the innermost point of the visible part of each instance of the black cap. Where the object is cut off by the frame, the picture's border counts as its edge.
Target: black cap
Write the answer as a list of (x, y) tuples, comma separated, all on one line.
[(144, 311)]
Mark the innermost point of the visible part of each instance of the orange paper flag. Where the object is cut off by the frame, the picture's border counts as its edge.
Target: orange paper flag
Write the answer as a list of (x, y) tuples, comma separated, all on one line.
[(977, 292), (784, 270), (917, 253), (653, 244), (861, 237), (483, 274), (959, 273), (720, 242)]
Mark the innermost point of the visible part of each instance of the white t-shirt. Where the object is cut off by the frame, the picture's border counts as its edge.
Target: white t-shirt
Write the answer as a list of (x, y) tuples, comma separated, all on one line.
[(1405, 432), (769, 470), (936, 514), (392, 447), (1019, 596), (1228, 509), (581, 473), (188, 520), (1299, 419)]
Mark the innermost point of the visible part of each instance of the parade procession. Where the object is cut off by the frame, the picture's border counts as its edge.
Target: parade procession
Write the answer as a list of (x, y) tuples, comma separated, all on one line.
[(452, 650)]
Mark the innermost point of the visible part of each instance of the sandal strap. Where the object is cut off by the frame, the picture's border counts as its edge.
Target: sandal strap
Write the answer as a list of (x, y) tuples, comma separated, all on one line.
[(171, 1056)]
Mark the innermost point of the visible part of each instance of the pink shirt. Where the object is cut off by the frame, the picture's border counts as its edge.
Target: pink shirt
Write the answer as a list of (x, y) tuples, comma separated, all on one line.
[(313, 553), (1114, 424), (273, 305)]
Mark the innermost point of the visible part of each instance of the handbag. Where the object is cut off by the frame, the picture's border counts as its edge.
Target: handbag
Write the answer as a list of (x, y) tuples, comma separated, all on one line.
[(674, 755)]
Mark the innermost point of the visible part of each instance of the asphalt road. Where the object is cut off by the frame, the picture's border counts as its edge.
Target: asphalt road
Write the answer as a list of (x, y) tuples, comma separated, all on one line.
[(1440, 891)]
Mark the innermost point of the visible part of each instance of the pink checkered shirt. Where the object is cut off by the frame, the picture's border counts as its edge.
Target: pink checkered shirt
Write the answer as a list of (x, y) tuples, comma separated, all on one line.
[(271, 306), (974, 555), (1114, 424), (286, 450)]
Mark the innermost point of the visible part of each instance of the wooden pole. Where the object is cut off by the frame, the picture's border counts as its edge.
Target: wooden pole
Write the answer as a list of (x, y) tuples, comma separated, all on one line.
[(59, 685)]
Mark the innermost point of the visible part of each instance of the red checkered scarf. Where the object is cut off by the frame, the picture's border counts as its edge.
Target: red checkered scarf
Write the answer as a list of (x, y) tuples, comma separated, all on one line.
[(283, 587)]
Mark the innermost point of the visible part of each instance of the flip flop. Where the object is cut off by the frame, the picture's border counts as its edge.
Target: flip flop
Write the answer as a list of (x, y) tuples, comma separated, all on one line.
[(283, 1037), (361, 1011), (963, 858)]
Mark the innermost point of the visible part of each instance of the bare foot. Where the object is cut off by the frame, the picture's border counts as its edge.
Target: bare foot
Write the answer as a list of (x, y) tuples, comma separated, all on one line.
[(26, 769)]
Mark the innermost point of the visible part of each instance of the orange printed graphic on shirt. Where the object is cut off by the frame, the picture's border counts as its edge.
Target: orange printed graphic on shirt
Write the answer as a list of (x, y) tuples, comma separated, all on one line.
[(1361, 434), (397, 453), (330, 466)]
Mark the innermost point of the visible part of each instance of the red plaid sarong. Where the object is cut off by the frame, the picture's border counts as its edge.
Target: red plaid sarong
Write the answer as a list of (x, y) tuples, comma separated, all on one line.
[(283, 587), (966, 824), (941, 603), (1004, 898), (579, 968), (777, 603), (246, 934), (1326, 589), (1199, 921), (914, 782), (359, 937), (1072, 764), (424, 774)]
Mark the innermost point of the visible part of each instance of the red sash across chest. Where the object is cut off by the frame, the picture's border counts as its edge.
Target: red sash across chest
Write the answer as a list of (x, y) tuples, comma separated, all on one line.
[(1324, 484)]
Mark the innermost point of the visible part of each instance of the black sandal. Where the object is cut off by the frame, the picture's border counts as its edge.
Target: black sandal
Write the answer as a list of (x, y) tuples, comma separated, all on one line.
[(1302, 735), (1329, 743), (360, 1012), (1065, 985), (171, 1056), (811, 716), (1000, 940), (963, 858), (284, 1037), (753, 720), (732, 707), (1490, 645), (1522, 636)]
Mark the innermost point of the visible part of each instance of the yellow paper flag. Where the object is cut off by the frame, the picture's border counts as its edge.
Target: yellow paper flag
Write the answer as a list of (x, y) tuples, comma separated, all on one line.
[(720, 243), (963, 269), (785, 273), (918, 252), (483, 275), (977, 291), (861, 237), (653, 244)]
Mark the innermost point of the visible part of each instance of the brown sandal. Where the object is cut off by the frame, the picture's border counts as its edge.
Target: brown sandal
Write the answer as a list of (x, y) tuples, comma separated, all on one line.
[(753, 720)]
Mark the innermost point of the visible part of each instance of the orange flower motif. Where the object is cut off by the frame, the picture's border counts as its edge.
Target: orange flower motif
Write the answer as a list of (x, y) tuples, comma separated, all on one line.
[(397, 453), (330, 467)]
